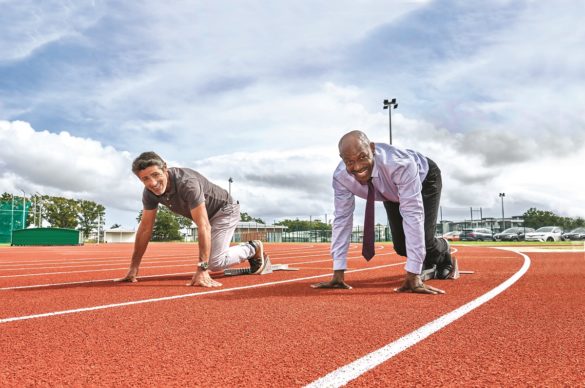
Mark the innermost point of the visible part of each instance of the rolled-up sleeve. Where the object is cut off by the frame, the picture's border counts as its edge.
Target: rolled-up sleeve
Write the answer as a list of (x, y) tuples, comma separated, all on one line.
[(412, 210), (344, 202)]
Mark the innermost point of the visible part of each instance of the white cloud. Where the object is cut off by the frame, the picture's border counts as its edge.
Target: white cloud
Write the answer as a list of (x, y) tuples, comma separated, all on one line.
[(65, 165), (29, 25), (262, 93)]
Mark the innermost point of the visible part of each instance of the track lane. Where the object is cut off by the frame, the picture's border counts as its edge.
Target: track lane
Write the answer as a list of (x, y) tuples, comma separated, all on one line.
[(531, 335), (283, 335)]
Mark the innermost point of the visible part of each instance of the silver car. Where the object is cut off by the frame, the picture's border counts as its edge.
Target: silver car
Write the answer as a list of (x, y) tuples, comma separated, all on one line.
[(546, 233)]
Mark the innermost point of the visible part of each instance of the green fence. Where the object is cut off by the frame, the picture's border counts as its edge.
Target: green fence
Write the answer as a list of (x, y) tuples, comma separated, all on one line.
[(13, 216), (47, 236), (382, 234)]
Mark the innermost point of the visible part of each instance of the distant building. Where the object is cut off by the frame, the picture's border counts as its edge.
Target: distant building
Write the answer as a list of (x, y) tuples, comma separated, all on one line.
[(494, 224), (119, 235)]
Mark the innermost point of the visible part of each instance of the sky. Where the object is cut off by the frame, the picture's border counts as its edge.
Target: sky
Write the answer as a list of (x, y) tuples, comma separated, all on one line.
[(261, 91)]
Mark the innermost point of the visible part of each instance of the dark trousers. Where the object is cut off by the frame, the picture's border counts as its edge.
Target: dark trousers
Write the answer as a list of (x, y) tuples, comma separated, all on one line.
[(437, 250)]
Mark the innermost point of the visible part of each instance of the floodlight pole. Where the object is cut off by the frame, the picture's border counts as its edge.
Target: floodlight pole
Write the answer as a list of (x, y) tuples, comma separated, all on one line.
[(392, 104), (23, 207), (502, 195), (12, 219), (230, 186), (40, 208)]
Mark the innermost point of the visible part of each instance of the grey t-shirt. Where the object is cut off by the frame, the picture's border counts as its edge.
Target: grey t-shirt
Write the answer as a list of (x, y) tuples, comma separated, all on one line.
[(187, 189)]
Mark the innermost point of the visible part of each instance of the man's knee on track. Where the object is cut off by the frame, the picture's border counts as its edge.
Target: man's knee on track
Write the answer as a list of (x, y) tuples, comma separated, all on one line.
[(218, 263)]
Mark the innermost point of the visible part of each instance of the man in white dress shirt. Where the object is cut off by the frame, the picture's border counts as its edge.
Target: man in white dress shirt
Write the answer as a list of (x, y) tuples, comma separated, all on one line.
[(410, 186)]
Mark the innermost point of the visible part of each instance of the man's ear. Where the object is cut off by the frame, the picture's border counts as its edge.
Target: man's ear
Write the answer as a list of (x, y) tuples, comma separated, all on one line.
[(373, 147)]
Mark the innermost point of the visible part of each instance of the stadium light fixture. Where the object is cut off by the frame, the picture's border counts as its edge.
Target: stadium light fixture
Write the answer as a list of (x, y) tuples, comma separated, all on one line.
[(390, 104), (502, 195)]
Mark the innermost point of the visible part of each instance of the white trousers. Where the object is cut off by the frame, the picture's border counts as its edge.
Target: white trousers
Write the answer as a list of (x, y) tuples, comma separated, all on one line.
[(223, 225)]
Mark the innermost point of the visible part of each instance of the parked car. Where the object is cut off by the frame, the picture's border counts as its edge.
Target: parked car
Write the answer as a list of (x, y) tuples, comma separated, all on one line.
[(476, 234), (575, 234), (512, 234), (546, 233), (452, 236)]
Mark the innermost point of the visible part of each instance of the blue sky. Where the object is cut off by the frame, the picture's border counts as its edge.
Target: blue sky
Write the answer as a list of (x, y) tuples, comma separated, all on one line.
[(261, 91)]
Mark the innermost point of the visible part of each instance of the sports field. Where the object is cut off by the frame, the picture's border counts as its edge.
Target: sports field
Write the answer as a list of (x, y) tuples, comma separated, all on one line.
[(517, 321)]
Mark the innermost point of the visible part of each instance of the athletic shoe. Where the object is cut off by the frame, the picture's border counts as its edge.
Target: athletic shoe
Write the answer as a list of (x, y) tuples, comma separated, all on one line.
[(454, 273), (428, 274), (445, 266), (258, 261)]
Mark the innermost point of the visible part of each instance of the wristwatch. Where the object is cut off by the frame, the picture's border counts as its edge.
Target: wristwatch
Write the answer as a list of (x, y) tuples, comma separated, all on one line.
[(204, 265)]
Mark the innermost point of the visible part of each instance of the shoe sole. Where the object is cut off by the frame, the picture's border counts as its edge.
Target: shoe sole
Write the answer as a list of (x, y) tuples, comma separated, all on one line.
[(261, 257)]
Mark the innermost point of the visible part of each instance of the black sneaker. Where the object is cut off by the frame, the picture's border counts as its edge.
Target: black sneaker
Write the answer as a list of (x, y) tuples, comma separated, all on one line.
[(454, 273), (445, 267), (429, 273), (258, 261)]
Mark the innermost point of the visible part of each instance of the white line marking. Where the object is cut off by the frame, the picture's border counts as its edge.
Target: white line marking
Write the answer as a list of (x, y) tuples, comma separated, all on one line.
[(145, 267), (353, 370), (105, 264), (173, 297), (90, 281), (92, 270), (69, 260)]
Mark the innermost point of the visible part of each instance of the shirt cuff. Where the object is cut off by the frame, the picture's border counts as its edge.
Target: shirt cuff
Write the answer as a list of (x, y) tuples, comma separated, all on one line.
[(413, 267), (339, 264)]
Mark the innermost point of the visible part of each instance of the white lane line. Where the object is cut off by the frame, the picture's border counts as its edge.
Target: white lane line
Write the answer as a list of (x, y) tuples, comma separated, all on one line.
[(145, 267), (105, 264), (102, 265), (353, 370), (92, 263), (90, 281), (69, 260), (92, 270), (150, 276), (182, 296)]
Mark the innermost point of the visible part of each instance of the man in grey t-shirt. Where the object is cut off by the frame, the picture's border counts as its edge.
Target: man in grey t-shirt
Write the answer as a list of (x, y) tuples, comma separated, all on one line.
[(190, 194)]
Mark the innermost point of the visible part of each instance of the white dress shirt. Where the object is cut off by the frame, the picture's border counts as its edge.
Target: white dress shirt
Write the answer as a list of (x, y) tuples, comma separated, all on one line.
[(397, 176)]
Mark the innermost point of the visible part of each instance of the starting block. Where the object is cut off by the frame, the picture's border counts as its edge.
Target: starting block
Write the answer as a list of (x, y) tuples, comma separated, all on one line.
[(269, 268)]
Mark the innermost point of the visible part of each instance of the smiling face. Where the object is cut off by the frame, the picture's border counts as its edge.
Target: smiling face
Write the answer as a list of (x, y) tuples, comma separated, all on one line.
[(358, 155), (154, 179)]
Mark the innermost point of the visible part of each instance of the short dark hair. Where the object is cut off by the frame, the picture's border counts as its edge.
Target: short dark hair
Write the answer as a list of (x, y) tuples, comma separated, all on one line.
[(147, 159)]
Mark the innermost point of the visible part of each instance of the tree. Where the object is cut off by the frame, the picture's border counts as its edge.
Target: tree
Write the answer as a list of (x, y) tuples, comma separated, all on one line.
[(534, 218), (167, 224), (61, 212), (296, 225), (248, 218), (89, 215)]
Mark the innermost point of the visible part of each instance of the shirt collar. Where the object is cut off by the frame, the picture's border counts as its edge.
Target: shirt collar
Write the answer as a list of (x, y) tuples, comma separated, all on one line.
[(375, 171), (171, 186)]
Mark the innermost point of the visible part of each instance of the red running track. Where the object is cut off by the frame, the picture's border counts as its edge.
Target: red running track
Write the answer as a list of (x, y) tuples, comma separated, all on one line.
[(64, 322)]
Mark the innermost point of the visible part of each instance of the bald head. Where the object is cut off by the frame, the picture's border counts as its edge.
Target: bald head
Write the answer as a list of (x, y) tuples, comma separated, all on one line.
[(353, 139), (357, 153)]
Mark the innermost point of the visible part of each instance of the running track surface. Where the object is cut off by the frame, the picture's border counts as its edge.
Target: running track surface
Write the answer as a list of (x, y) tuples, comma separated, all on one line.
[(517, 321)]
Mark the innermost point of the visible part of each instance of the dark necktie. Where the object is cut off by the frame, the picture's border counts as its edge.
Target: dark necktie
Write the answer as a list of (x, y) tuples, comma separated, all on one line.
[(368, 242)]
